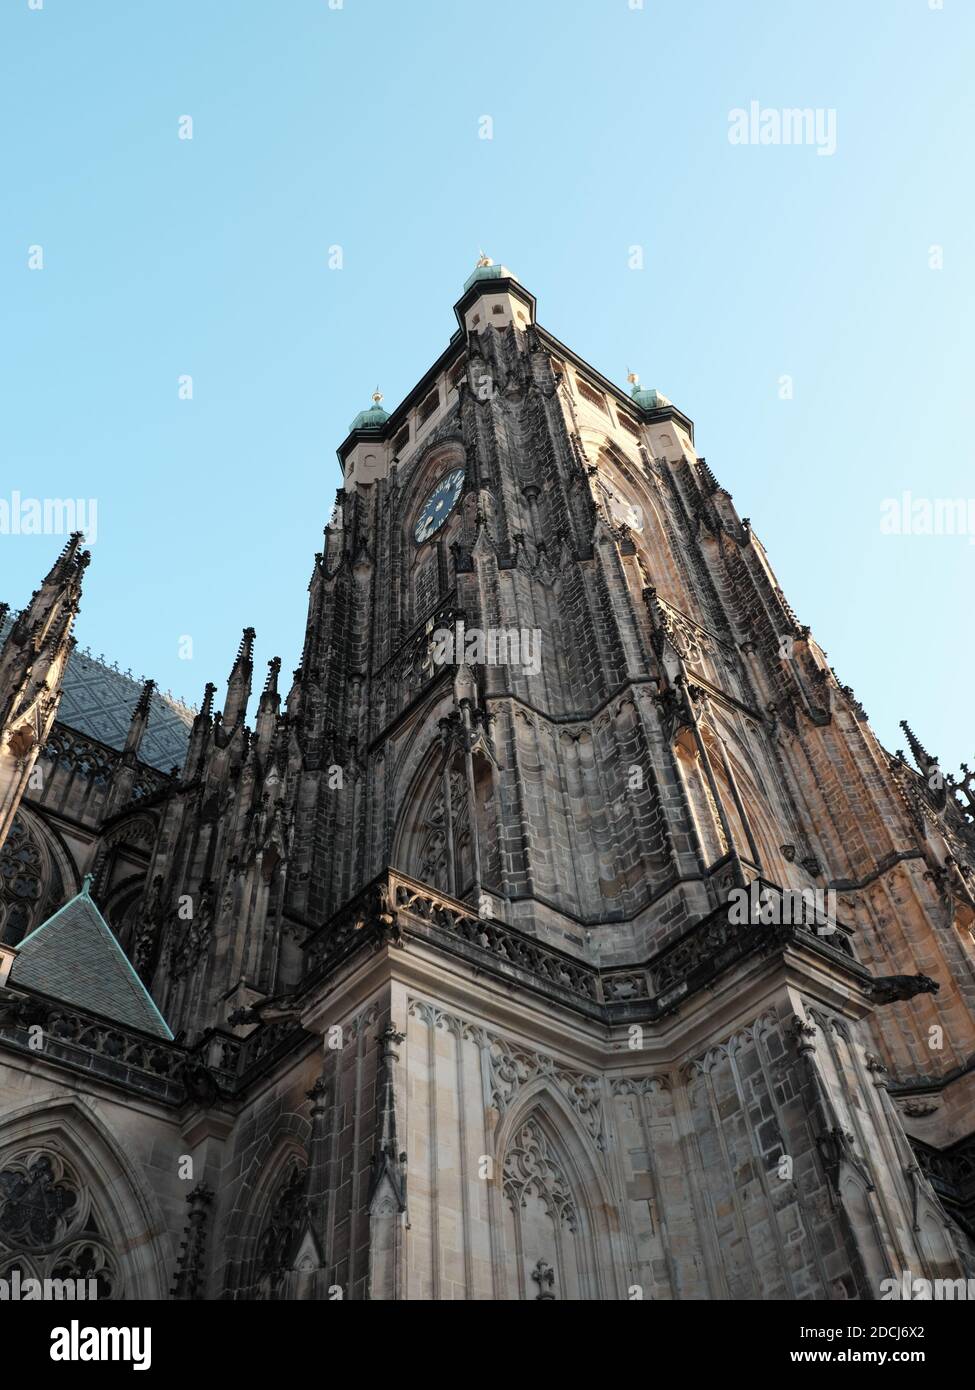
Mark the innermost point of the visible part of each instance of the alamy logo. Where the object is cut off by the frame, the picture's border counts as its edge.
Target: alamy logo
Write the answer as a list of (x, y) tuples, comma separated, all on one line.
[(77, 1343), (788, 125), (761, 905), (908, 515), (927, 1290), (15, 1289), (48, 516), (493, 646)]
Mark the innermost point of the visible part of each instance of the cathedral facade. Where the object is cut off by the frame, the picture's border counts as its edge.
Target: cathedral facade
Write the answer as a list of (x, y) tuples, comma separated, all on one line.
[(560, 931)]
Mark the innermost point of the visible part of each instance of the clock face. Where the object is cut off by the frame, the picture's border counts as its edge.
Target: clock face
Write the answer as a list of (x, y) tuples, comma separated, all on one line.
[(438, 506), (623, 511)]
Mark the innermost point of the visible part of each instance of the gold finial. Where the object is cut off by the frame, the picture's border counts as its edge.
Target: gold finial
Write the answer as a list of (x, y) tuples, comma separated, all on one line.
[(632, 378), (484, 261), (377, 396)]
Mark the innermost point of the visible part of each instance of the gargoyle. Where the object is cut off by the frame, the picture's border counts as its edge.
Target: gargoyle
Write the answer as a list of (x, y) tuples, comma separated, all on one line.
[(200, 1084), (275, 1010), (890, 989)]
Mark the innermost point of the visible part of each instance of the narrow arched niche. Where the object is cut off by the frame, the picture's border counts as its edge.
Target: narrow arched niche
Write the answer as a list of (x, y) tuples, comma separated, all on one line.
[(435, 834)]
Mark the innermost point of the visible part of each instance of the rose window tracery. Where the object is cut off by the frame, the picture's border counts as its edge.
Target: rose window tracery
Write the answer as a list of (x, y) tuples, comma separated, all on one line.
[(49, 1228)]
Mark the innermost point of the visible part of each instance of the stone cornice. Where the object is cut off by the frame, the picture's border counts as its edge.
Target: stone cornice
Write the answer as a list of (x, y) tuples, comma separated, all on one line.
[(397, 910)]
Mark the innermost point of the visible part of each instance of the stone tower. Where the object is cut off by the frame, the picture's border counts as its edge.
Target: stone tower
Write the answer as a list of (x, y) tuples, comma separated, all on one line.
[(564, 932)]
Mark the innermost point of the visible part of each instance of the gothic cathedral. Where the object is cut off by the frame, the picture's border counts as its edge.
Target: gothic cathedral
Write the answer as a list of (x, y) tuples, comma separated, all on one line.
[(560, 931)]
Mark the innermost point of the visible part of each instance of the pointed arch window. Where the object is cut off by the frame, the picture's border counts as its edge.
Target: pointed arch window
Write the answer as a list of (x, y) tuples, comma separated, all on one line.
[(542, 1220), (279, 1234), (21, 870), (50, 1227), (435, 839)]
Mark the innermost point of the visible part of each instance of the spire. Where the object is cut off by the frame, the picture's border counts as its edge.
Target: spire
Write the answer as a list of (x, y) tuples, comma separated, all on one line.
[(140, 719), (190, 1280), (65, 562), (239, 684), (52, 608), (206, 709), (273, 671), (199, 733), (923, 759), (267, 709)]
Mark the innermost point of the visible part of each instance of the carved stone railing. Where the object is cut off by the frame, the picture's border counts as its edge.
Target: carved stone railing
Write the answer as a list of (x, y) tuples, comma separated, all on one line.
[(348, 928), (391, 910), (93, 1046), (508, 947), (715, 942), (951, 1173), (394, 903), (394, 907), (79, 755), (222, 1053), (265, 1043), (217, 1067)]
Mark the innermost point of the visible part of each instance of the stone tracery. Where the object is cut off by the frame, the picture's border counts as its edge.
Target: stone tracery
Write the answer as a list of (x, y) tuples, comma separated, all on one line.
[(49, 1226)]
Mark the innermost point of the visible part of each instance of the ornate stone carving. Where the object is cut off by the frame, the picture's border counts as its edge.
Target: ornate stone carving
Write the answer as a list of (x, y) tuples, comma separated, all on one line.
[(21, 869), (530, 1168), (38, 1202), (191, 938), (544, 1276), (890, 989), (511, 1068), (804, 1033), (920, 1108), (836, 1149), (191, 1272), (639, 1085)]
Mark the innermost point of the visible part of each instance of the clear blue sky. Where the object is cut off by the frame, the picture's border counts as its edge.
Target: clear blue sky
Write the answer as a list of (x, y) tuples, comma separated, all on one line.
[(359, 127)]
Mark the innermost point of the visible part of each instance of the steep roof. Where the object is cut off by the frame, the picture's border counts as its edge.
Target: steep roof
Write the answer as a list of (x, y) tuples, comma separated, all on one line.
[(74, 957), (99, 700)]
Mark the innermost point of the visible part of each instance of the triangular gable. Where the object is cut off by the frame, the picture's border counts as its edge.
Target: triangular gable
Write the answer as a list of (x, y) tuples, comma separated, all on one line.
[(74, 957)]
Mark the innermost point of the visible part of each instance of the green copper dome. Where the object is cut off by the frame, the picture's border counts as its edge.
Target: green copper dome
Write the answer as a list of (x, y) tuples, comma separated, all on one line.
[(487, 270), (371, 419)]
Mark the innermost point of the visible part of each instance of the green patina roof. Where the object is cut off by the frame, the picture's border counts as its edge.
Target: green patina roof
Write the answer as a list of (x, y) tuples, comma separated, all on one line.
[(645, 397), (370, 419), (488, 272), (74, 957)]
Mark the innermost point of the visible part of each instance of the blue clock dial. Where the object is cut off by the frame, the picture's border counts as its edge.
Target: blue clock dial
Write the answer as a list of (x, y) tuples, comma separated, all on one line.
[(438, 506)]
